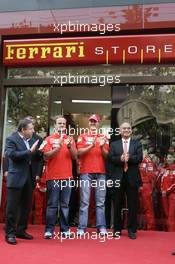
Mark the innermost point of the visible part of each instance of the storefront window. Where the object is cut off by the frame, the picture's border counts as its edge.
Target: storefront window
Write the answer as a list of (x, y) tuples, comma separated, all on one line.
[(128, 70), (76, 103), (151, 111), (22, 102)]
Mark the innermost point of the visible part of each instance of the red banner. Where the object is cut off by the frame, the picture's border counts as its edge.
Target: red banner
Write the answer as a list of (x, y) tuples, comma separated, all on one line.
[(133, 49)]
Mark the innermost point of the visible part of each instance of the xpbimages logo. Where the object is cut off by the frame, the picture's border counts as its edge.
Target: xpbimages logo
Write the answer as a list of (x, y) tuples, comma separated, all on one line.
[(82, 27), (101, 184), (87, 235), (100, 79), (76, 131)]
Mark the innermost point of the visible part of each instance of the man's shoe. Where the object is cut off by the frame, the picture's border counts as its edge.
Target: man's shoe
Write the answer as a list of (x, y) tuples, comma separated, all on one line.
[(132, 235), (11, 240), (103, 232), (24, 235), (47, 235), (80, 232)]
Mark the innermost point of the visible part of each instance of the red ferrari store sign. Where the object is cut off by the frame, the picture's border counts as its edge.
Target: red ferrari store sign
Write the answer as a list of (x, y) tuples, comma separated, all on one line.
[(133, 49)]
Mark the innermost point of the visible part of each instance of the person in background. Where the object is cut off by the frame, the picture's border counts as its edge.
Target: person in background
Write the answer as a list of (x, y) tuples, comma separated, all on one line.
[(168, 192), (148, 176)]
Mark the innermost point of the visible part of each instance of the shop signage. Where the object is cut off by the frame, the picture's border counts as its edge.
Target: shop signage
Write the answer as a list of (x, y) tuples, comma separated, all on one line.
[(130, 49)]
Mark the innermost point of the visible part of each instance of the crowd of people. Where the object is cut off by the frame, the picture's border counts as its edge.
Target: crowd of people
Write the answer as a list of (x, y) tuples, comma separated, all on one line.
[(85, 179)]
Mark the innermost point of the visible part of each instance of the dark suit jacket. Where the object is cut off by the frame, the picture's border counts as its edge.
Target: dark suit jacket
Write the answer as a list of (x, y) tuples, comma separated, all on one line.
[(135, 157), (21, 162), (37, 157)]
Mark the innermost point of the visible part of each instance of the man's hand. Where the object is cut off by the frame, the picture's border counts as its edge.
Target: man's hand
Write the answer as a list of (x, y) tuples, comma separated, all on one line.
[(94, 141), (122, 157), (126, 157), (34, 146), (37, 178), (102, 142), (68, 142)]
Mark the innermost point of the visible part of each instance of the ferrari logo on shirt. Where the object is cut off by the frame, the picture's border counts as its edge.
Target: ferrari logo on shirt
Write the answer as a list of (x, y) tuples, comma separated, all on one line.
[(89, 140), (79, 139), (150, 168)]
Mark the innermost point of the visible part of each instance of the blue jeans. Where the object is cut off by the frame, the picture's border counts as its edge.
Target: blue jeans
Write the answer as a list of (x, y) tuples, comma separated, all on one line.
[(98, 181), (56, 195)]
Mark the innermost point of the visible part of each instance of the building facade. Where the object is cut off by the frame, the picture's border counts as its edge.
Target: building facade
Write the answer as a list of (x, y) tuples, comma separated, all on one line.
[(77, 58)]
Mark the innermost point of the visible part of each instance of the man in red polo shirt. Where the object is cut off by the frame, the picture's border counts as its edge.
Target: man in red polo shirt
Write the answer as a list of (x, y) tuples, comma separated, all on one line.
[(59, 150), (92, 150)]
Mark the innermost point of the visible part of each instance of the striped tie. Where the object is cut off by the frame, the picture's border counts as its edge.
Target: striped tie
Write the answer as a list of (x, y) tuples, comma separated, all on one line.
[(125, 152)]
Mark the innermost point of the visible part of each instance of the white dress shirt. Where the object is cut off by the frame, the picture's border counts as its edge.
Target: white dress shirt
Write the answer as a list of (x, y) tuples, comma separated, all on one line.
[(26, 141), (128, 143)]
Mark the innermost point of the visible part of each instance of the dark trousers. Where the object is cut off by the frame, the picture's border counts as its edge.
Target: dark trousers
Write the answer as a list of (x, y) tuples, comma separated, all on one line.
[(73, 206), (18, 205), (132, 196), (57, 194)]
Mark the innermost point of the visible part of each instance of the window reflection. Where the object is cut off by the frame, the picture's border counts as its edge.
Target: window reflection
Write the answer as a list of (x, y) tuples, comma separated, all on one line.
[(150, 109), (21, 102), (124, 70)]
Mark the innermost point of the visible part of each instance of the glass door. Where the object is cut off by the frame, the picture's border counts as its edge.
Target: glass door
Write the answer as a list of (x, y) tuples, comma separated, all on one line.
[(76, 103)]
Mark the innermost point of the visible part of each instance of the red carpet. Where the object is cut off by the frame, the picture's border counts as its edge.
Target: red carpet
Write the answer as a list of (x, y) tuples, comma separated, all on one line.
[(149, 248)]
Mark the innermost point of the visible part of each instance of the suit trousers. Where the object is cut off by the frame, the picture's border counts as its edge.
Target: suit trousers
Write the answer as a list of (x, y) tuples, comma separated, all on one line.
[(132, 196), (19, 202)]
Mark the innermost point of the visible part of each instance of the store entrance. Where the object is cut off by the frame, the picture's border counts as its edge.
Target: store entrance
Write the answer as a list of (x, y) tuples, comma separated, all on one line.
[(149, 108), (76, 103)]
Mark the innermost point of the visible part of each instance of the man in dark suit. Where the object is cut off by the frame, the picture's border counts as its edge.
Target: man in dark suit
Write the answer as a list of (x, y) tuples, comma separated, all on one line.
[(20, 150), (125, 155)]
